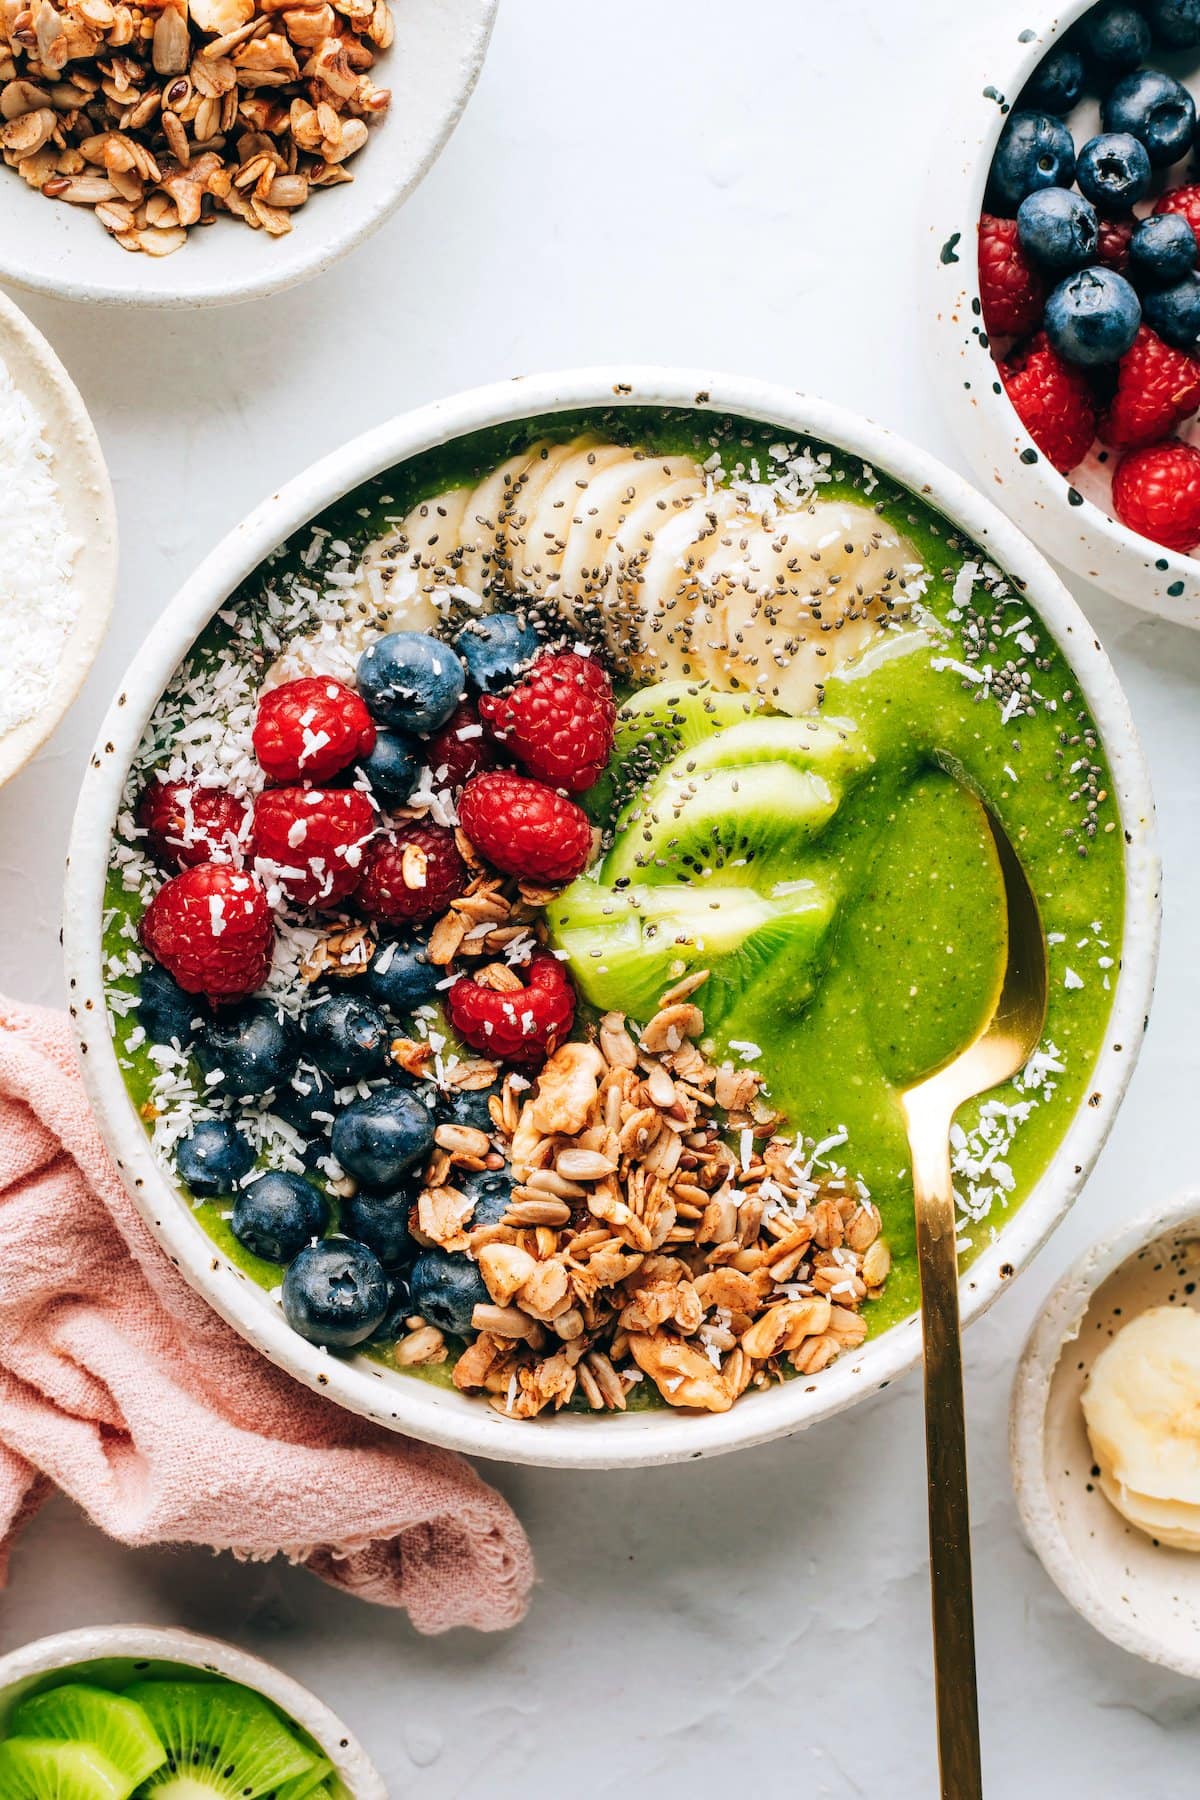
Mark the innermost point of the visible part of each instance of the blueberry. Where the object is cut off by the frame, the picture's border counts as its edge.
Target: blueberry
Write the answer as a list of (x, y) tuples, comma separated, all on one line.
[(1056, 83), (346, 1037), (276, 1214), (394, 1322), (380, 1221), (213, 1158), (469, 1106), (491, 1192), (1035, 151), (335, 1294), (1114, 171), (393, 769), (495, 649), (1162, 249), (1175, 23), (1154, 109), (168, 1015), (1174, 312), (249, 1049), (1093, 317), (446, 1290), (379, 1138), (1115, 35), (306, 1102), (411, 682), (1058, 229), (401, 976)]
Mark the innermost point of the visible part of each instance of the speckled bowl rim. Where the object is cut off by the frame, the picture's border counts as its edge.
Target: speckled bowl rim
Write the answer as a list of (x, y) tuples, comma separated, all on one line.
[(450, 39), (1083, 536), (90, 513), (165, 1643), (440, 1415), (1056, 1326)]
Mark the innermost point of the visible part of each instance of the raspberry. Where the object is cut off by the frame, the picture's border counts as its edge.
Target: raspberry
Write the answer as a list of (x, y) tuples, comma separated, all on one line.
[(517, 1027), (1113, 247), (558, 721), (1010, 287), (308, 730), (1156, 491), (1157, 387), (1053, 401), (1185, 200), (524, 827), (453, 759), (413, 874), (212, 929), (186, 824), (314, 839)]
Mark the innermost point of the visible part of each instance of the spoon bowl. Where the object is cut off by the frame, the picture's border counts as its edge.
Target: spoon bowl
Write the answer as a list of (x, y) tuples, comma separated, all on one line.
[(998, 1053)]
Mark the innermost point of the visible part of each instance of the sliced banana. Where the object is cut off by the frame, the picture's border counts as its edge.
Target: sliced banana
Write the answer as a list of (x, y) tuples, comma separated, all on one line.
[(611, 496), (725, 585), (551, 516), (1142, 1411), (485, 508), (519, 553)]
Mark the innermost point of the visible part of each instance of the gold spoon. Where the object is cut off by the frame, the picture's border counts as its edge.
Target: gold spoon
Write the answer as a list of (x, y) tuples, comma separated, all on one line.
[(1001, 1049)]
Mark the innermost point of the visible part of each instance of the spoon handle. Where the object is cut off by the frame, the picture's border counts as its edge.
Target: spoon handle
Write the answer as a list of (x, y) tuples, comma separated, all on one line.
[(946, 1466)]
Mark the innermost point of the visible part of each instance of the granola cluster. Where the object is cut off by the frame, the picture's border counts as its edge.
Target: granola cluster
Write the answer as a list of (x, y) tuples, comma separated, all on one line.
[(638, 1244), (164, 113)]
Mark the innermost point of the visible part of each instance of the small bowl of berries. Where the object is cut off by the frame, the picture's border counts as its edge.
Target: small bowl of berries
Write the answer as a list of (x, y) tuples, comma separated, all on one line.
[(1066, 294)]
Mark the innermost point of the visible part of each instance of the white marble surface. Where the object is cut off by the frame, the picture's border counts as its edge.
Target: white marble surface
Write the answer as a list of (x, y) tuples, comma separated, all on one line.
[(670, 180)]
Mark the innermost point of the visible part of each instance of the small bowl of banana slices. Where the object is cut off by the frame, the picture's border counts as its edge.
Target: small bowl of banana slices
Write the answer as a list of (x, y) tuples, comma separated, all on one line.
[(1105, 1454)]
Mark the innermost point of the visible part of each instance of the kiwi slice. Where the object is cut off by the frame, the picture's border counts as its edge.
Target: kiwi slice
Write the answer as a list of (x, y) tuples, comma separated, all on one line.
[(221, 1739), (741, 826), (312, 1785), (79, 1713), (44, 1769), (627, 945), (653, 726)]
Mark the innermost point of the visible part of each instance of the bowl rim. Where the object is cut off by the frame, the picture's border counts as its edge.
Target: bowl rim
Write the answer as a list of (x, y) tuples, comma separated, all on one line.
[(999, 449), (169, 1643), (473, 24), (1055, 1326), (89, 509), (418, 1407)]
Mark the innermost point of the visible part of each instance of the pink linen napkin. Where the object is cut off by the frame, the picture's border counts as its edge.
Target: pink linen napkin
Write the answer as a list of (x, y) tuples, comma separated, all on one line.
[(121, 1386)]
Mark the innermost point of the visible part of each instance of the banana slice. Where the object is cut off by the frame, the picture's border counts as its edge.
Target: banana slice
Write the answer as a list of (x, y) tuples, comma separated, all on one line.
[(611, 496), (1142, 1411), (486, 507), (521, 572), (552, 513)]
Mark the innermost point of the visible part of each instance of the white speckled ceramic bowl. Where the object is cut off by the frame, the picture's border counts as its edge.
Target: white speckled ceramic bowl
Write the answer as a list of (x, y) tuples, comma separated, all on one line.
[(1070, 519), (439, 1414), (90, 515), (1142, 1595), (129, 1652), (431, 69)]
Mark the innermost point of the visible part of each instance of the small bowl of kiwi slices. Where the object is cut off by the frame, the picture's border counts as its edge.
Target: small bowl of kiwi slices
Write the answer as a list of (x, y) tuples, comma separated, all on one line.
[(135, 1712)]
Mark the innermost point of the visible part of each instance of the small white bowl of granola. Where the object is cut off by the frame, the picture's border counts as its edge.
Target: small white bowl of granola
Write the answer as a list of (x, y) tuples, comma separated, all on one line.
[(101, 1708), (452, 901), (237, 150)]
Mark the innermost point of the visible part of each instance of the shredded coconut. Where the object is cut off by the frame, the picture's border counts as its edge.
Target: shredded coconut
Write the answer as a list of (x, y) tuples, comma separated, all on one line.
[(37, 556)]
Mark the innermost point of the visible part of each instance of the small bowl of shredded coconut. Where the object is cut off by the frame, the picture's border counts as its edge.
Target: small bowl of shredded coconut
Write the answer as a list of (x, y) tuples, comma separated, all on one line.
[(58, 541)]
